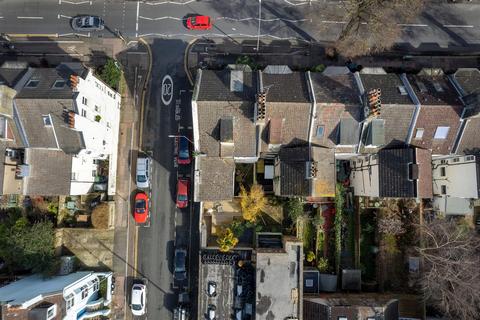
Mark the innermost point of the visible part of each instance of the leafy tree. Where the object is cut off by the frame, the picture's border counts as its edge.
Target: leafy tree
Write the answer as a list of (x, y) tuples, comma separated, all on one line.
[(227, 240), (28, 247), (110, 73), (252, 202), (450, 280), (310, 256), (374, 25), (294, 207)]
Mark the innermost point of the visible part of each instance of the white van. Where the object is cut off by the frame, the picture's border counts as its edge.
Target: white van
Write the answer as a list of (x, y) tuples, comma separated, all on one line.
[(143, 172)]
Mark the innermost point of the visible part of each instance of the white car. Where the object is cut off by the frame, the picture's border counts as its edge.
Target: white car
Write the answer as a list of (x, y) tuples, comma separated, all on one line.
[(139, 299), (143, 172)]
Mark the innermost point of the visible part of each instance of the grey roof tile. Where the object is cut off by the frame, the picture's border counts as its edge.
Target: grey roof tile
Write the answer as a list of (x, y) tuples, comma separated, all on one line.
[(339, 88), (469, 141), (389, 85), (394, 174), (216, 179), (468, 79), (10, 76), (215, 86), (289, 87), (46, 78), (434, 90)]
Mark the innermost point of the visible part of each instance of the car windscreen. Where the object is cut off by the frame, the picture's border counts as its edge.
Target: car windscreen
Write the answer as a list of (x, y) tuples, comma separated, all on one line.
[(136, 307), (140, 205), (180, 261), (96, 22), (194, 20), (141, 178), (182, 197), (183, 148)]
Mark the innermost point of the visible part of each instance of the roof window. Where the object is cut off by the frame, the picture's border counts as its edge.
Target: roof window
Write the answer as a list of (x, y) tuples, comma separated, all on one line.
[(441, 132), (402, 90), (437, 86), (32, 83), (47, 120), (59, 84)]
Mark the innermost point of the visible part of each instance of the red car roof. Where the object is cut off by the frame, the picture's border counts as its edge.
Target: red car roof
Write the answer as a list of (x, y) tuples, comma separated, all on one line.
[(141, 204), (182, 186), (202, 19)]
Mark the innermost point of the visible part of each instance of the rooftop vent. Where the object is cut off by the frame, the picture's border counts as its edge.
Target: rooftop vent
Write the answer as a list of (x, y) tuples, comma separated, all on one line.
[(236, 81), (402, 90)]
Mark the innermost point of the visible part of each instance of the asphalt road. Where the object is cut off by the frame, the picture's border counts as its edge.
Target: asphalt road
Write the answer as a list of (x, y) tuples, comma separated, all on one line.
[(442, 24), (169, 227)]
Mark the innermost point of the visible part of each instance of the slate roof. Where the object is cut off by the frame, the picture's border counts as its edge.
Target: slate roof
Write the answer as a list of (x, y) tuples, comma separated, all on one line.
[(215, 86), (434, 90), (210, 114), (388, 83), (216, 181), (10, 76), (468, 79), (50, 172), (394, 173), (335, 88), (469, 142), (289, 87), (31, 112)]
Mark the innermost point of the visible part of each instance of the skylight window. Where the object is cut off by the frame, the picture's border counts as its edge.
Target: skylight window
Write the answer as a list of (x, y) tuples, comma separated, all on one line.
[(47, 121), (32, 83), (441, 132), (59, 84)]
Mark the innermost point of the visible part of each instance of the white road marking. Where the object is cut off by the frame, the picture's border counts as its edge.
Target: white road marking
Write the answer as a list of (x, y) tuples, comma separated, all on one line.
[(63, 16), (75, 34), (71, 2), (169, 2), (161, 18), (457, 26), (301, 3), (333, 22), (1, 17), (220, 35), (59, 41), (167, 90), (413, 25), (37, 18), (262, 20), (136, 25)]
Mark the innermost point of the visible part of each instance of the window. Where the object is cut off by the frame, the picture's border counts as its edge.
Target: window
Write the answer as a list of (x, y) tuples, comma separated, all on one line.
[(443, 171), (74, 176), (47, 121), (32, 83), (320, 131), (419, 133), (70, 301), (84, 100), (441, 132), (456, 159), (94, 173), (51, 312), (342, 318), (84, 292), (97, 108), (443, 189), (469, 158), (59, 84), (96, 285), (84, 113)]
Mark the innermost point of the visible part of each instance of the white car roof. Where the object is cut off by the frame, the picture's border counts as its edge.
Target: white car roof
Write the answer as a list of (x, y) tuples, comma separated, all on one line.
[(137, 291)]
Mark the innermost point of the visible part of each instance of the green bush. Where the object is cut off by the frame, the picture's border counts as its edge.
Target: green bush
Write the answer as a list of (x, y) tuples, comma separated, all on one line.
[(110, 73), (294, 207), (310, 257), (323, 265), (308, 234), (318, 68), (98, 118), (338, 222)]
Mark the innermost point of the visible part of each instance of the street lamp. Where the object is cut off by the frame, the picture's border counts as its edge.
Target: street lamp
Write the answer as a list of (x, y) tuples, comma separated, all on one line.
[(259, 23)]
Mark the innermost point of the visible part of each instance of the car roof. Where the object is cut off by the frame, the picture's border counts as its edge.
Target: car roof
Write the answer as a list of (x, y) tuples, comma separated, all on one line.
[(141, 196), (182, 185), (202, 19), (137, 293)]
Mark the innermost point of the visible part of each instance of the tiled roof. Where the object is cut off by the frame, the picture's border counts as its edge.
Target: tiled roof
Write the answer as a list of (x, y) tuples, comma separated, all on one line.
[(468, 79), (10, 76), (50, 172), (432, 117), (389, 85), (394, 174), (216, 86), (295, 126), (31, 112), (434, 90), (469, 141), (423, 159), (339, 88), (216, 179), (289, 87), (210, 114)]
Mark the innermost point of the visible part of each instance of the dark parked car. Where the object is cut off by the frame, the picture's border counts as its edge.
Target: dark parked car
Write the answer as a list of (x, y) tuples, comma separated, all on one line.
[(87, 23), (183, 150), (180, 272)]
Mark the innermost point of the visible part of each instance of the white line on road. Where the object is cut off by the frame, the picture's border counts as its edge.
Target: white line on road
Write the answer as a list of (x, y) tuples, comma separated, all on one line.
[(457, 26), (71, 2), (75, 34), (413, 25), (169, 2), (220, 35), (38, 18), (63, 16), (262, 20), (333, 22), (301, 3), (161, 18), (136, 25), (50, 42)]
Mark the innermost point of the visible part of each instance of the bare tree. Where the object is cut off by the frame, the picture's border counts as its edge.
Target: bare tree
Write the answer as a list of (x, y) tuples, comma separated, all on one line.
[(451, 278), (374, 25)]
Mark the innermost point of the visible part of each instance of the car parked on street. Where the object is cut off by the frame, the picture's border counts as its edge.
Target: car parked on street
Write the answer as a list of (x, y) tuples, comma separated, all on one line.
[(182, 192), (183, 150), (138, 300), (143, 172), (180, 261), (199, 23), (141, 208), (87, 23)]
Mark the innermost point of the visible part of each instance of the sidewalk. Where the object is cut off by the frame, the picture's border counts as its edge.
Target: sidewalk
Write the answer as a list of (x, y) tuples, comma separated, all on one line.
[(216, 54)]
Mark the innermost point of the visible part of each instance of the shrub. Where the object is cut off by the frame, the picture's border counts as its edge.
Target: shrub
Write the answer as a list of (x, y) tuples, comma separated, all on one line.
[(252, 202), (110, 73), (98, 118), (318, 68), (227, 240), (310, 257), (322, 264), (294, 209)]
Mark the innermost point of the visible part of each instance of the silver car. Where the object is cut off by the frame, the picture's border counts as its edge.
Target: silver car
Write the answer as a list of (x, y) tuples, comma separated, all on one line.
[(87, 23)]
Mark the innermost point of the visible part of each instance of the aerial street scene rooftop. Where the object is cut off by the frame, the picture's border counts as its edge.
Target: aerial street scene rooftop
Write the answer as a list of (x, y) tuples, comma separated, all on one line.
[(240, 160)]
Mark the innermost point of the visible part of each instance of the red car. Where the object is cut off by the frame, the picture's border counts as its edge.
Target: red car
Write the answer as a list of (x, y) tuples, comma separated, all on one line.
[(199, 23), (141, 208), (182, 192)]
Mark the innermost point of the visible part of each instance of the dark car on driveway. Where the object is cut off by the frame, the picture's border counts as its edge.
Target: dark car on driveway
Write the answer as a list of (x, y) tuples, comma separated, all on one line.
[(180, 271), (87, 23)]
